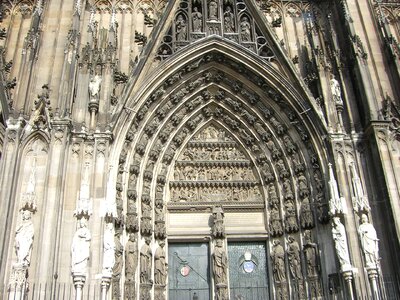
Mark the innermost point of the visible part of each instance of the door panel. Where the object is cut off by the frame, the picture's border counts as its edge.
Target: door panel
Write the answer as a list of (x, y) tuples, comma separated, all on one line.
[(248, 271), (188, 271)]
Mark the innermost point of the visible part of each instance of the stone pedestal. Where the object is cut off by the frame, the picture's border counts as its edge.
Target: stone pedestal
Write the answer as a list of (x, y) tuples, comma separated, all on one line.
[(159, 292), (79, 282), (105, 284), (18, 286), (130, 289), (145, 291), (221, 292), (373, 281), (348, 278)]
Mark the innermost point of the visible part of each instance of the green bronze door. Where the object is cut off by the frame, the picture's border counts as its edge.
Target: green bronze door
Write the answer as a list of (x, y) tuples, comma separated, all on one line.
[(188, 271), (248, 271)]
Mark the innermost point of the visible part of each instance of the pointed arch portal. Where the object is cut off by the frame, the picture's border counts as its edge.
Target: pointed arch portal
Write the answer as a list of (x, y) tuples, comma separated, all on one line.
[(220, 128)]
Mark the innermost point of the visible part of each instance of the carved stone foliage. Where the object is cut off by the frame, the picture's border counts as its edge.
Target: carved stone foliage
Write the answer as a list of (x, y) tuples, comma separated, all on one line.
[(229, 19), (391, 112), (213, 168)]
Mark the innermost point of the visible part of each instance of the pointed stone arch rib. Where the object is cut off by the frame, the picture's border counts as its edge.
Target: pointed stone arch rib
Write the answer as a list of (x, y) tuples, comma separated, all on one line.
[(175, 107)]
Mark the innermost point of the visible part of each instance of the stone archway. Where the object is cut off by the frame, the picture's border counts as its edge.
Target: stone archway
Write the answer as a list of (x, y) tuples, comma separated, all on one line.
[(245, 113)]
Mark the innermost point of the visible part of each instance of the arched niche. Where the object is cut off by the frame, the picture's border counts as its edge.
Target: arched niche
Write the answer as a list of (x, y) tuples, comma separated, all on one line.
[(265, 118), (30, 183)]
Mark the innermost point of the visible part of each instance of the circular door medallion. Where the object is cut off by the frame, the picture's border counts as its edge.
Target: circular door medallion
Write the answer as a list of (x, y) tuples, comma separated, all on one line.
[(185, 270)]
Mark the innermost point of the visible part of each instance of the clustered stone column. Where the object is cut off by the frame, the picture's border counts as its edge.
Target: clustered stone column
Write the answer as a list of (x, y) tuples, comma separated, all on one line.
[(24, 235), (220, 260)]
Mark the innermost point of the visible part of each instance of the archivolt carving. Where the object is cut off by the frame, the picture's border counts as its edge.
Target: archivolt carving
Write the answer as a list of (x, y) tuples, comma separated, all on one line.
[(193, 104), (211, 135)]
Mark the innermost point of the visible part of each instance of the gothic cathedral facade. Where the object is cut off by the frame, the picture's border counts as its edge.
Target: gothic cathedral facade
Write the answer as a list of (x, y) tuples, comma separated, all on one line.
[(199, 149)]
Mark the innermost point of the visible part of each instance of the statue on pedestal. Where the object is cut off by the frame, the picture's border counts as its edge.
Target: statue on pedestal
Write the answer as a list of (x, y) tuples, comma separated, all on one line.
[(24, 239), (369, 242), (80, 250), (342, 250), (160, 265), (220, 263), (145, 262)]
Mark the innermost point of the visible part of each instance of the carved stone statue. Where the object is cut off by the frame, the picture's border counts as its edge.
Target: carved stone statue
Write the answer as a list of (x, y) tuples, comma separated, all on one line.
[(24, 239), (197, 18), (220, 263), (293, 253), (80, 250), (229, 23), (275, 223), (336, 92), (218, 229), (278, 261), (131, 257), (311, 254), (342, 250), (369, 242), (160, 265), (108, 250), (306, 215), (213, 10), (94, 86), (118, 255), (245, 29), (181, 29), (145, 262)]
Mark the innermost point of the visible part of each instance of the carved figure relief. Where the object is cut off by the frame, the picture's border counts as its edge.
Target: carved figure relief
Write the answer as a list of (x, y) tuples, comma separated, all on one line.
[(342, 249), (278, 261), (216, 169), (218, 229), (145, 262), (245, 29), (160, 265), (213, 10), (108, 250), (118, 254), (131, 257), (94, 86), (275, 221), (293, 253), (306, 214), (229, 21), (80, 250), (24, 239), (369, 242), (220, 263), (336, 91), (311, 254), (197, 18), (181, 29)]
